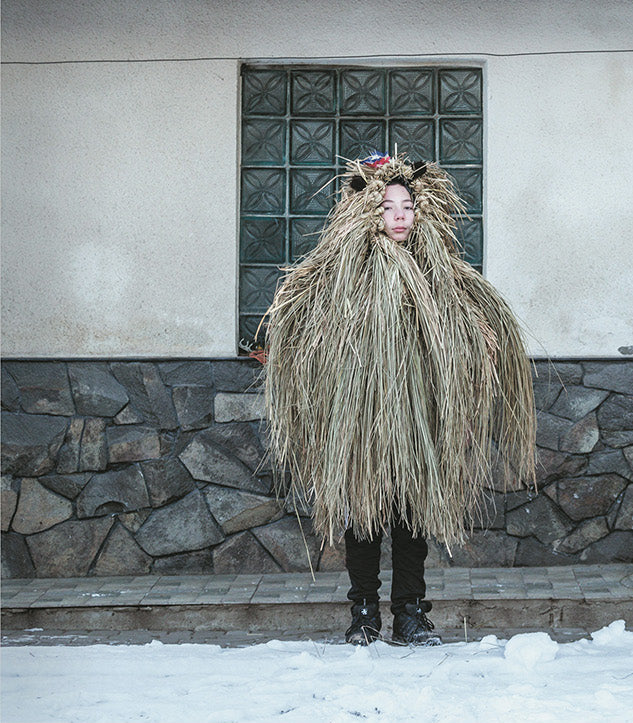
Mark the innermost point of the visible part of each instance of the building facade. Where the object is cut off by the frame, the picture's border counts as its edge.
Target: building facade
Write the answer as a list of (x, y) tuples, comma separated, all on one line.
[(160, 163)]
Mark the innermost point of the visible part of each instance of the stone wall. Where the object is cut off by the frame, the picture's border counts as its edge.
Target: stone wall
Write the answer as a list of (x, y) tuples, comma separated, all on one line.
[(127, 467)]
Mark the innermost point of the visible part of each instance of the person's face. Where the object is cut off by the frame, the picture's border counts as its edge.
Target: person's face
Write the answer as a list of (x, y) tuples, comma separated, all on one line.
[(398, 213)]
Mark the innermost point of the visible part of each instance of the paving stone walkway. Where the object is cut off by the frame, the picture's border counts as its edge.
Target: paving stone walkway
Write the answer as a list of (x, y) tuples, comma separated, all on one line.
[(243, 609)]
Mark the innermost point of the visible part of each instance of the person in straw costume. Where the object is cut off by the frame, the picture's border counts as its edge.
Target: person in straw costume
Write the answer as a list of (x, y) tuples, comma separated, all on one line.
[(396, 378)]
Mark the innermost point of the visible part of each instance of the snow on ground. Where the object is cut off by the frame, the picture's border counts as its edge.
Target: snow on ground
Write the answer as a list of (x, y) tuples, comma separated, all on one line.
[(527, 678)]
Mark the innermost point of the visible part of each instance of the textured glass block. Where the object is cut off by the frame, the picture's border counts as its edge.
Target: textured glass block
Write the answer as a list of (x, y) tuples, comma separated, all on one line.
[(461, 141), (415, 138), (469, 233), (264, 92), (469, 187), (307, 192), (460, 91), (411, 92), (263, 141), (360, 139), (313, 92), (257, 287), (312, 142), (263, 240), (263, 190), (248, 329), (362, 92), (304, 235)]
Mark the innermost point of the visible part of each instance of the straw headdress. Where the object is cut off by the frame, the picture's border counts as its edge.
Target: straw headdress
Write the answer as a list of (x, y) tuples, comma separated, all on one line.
[(394, 368)]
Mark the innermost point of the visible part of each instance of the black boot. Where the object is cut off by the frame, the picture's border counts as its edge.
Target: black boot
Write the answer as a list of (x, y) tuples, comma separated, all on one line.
[(411, 626), (366, 623)]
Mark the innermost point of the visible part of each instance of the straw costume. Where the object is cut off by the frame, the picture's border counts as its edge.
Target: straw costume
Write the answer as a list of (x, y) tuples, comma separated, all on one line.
[(395, 374)]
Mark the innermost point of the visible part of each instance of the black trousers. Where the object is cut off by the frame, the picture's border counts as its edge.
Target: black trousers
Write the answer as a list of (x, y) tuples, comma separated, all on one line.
[(408, 553)]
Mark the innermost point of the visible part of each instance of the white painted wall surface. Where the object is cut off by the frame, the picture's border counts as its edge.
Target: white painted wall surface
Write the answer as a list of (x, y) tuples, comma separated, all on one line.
[(119, 197), (120, 178), (559, 215)]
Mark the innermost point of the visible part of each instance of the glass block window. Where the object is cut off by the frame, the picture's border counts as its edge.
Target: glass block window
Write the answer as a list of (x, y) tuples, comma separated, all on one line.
[(299, 123)]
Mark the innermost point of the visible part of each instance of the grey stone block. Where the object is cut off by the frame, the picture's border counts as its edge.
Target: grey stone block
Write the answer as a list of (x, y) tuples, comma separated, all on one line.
[(546, 393), (532, 553), (333, 557), (67, 485), (93, 455), (616, 376), (39, 508), (585, 497), (10, 392), (43, 386), (616, 547), (209, 463), (551, 465), (133, 521), (240, 440), (297, 505), (180, 527), (186, 373), (568, 372), (587, 532), (582, 437), (238, 375), (148, 395), (9, 489), (609, 460), (121, 555), (128, 415), (235, 510), (628, 454), (238, 407), (70, 452), (546, 371), (167, 480), (199, 562), (516, 499), (616, 413), (539, 518), (68, 549), (95, 391), (624, 520), (16, 560), (575, 402), (550, 429), (285, 543), (491, 513), (485, 548), (194, 406), (616, 439), (132, 443), (30, 443), (242, 554), (114, 491)]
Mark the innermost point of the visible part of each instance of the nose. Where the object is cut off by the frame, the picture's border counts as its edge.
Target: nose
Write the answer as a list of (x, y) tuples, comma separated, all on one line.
[(398, 212)]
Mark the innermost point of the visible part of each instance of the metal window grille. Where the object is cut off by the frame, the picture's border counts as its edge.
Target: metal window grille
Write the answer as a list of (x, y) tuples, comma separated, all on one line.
[(300, 122)]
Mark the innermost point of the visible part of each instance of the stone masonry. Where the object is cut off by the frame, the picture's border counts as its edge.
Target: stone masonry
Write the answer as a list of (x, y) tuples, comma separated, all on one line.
[(138, 467)]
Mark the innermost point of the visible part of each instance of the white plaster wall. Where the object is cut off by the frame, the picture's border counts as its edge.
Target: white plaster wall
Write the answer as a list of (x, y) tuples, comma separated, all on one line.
[(119, 200), (559, 210), (46, 30), (120, 178)]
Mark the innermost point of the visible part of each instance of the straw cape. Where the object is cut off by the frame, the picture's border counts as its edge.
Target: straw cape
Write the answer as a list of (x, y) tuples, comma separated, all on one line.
[(396, 374)]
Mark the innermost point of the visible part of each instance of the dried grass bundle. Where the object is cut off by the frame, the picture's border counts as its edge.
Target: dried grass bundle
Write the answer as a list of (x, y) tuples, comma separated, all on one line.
[(392, 366)]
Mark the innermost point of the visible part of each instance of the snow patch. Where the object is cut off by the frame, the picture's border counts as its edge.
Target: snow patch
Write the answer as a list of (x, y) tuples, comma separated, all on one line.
[(614, 634), (529, 650)]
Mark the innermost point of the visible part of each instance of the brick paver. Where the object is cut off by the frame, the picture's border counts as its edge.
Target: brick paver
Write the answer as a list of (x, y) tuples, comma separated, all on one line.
[(241, 609)]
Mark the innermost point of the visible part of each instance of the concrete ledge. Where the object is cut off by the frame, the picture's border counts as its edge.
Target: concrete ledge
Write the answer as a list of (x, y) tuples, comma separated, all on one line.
[(320, 617), (553, 598)]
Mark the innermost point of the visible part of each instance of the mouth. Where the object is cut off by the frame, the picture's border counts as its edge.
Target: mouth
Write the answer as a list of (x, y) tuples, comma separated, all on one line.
[(399, 229)]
